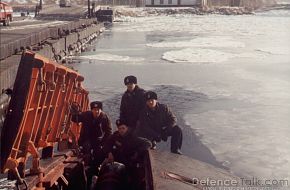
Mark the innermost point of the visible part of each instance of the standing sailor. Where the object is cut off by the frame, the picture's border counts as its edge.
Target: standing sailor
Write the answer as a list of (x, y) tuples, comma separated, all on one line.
[(132, 102), (96, 127)]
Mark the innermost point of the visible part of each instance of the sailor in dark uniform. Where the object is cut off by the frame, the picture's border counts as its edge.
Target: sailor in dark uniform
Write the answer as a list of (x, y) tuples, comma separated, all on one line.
[(132, 102), (157, 122), (124, 147), (96, 127)]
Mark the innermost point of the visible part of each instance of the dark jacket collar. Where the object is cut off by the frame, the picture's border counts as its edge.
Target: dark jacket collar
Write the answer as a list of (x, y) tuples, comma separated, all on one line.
[(156, 108), (126, 136), (100, 116), (135, 89)]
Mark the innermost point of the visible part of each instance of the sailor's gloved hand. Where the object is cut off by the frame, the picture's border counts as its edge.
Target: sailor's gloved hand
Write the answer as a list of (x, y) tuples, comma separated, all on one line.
[(75, 108)]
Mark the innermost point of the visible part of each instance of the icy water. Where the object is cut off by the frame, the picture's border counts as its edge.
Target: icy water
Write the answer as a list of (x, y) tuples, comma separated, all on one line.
[(228, 77)]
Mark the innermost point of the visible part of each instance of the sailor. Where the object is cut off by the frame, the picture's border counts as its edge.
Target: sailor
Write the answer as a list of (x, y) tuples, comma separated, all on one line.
[(124, 147), (157, 122), (132, 102), (96, 127)]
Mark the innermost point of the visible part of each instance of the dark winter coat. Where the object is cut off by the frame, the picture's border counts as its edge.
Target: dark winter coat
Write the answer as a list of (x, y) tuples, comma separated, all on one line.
[(94, 130), (152, 123), (131, 105), (125, 147)]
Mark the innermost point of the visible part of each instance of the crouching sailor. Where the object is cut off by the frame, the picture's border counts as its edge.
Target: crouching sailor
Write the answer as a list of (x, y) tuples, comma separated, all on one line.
[(124, 147), (157, 122)]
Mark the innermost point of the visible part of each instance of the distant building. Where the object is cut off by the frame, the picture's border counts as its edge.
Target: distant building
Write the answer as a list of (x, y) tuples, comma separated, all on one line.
[(208, 3), (173, 3), (219, 3)]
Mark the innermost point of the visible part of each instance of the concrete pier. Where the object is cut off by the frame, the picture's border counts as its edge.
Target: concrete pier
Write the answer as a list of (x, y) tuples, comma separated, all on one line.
[(172, 171), (54, 39)]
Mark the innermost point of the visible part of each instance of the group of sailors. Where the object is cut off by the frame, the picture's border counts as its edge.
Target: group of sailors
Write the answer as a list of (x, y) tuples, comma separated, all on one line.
[(143, 122)]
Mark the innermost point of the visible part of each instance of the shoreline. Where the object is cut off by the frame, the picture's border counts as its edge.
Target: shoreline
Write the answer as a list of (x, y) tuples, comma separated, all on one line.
[(56, 43), (156, 11)]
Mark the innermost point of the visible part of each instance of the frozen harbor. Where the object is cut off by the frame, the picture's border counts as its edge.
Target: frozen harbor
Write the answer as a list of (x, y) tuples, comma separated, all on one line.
[(227, 77)]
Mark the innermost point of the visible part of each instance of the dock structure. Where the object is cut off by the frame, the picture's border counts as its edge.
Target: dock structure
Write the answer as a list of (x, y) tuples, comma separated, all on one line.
[(72, 12), (171, 171), (55, 34)]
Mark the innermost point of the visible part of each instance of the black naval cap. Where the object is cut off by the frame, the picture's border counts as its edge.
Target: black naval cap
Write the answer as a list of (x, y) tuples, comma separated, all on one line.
[(96, 104), (150, 95), (120, 122), (130, 79)]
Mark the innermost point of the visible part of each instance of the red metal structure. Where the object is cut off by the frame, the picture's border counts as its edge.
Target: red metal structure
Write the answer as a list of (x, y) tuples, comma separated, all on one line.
[(6, 12), (38, 118), (38, 140)]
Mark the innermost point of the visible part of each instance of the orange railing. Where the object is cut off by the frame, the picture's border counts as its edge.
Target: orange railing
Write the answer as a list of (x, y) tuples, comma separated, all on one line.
[(39, 111)]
